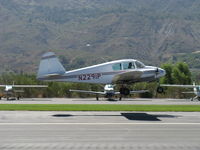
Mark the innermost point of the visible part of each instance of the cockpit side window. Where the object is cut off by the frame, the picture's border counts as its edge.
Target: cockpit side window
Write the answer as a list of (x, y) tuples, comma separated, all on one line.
[(139, 64), (198, 89), (128, 65), (117, 66)]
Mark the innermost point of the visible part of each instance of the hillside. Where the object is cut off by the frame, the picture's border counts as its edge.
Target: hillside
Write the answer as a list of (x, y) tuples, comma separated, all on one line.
[(85, 32)]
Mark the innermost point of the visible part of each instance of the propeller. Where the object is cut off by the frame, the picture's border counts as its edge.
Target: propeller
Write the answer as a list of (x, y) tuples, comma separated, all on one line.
[(159, 88), (156, 72)]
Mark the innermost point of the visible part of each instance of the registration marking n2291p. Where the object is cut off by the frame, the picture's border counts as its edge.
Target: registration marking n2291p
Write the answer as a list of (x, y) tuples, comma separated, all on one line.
[(90, 76)]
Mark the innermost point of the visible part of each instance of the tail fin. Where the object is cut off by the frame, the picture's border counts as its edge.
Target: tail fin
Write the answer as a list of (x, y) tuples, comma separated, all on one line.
[(49, 66)]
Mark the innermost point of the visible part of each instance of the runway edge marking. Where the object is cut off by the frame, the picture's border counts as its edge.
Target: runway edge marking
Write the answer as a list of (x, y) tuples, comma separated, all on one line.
[(113, 123)]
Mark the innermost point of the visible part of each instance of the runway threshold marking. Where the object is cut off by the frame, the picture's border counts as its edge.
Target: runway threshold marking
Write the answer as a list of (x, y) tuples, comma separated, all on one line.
[(112, 123)]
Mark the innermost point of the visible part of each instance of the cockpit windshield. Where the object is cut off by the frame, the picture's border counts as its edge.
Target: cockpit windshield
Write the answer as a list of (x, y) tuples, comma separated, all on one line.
[(139, 64), (198, 88), (110, 86), (128, 65)]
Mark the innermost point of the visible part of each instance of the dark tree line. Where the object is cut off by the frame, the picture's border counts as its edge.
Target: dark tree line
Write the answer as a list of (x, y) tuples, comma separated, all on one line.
[(54, 89)]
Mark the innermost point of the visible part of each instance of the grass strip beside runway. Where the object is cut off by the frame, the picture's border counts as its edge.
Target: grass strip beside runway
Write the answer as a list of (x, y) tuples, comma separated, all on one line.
[(99, 107)]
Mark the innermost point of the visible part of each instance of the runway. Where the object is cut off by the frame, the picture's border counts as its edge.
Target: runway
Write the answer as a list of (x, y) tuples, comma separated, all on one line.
[(99, 130), (139, 101)]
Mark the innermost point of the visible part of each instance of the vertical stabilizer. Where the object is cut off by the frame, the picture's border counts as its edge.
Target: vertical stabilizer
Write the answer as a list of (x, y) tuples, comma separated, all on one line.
[(49, 66)]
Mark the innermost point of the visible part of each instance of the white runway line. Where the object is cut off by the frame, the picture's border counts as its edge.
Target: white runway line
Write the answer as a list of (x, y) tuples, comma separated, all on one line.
[(82, 123)]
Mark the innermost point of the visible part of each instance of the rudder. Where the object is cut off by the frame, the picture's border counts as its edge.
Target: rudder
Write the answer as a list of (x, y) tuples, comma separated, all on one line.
[(49, 66)]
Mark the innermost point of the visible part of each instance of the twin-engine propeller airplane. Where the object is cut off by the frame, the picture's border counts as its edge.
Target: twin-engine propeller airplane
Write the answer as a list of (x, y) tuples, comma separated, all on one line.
[(122, 72), (196, 89), (10, 90)]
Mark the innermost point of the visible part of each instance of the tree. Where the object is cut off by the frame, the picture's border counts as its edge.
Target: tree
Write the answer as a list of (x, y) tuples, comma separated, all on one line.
[(184, 76), (176, 74), (168, 79)]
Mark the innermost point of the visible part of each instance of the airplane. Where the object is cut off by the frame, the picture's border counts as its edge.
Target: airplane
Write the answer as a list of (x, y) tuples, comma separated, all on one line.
[(9, 89), (108, 92), (196, 89), (122, 72)]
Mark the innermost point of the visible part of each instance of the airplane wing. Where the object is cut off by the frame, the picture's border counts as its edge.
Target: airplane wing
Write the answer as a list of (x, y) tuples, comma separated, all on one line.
[(2, 85), (134, 92), (19, 91), (29, 86), (128, 76), (140, 91), (88, 92), (190, 92), (176, 85)]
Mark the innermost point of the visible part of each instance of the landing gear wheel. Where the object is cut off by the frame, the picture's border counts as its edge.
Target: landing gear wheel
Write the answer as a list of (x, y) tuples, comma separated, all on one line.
[(124, 91), (160, 90), (97, 98), (120, 98)]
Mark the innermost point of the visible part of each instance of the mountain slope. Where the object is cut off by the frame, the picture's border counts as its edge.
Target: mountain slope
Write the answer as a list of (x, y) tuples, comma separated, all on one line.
[(87, 32)]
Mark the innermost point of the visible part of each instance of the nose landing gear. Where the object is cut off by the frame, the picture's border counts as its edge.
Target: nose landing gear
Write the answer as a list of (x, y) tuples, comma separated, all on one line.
[(160, 89)]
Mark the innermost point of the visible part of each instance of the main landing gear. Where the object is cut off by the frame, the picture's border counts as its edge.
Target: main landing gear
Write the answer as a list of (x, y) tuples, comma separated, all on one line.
[(160, 89), (195, 98), (120, 98), (97, 98), (124, 91)]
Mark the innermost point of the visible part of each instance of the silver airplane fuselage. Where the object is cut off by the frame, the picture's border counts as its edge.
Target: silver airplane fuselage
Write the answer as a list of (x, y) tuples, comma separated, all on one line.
[(106, 74)]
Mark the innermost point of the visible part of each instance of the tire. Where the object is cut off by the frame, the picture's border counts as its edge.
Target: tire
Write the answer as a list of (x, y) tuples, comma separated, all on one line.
[(160, 90), (124, 91)]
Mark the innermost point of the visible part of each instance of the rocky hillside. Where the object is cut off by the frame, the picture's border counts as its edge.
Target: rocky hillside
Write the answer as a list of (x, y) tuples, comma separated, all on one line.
[(85, 32)]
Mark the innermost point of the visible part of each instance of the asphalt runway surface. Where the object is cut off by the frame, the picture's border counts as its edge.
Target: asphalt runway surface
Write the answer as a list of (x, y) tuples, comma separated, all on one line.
[(51, 130), (146, 101)]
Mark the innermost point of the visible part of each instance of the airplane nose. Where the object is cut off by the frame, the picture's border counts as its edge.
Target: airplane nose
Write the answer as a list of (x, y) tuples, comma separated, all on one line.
[(162, 72)]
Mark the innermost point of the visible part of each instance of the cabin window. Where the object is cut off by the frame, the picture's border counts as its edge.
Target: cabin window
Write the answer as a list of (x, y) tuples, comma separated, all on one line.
[(117, 66), (128, 65), (139, 64)]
